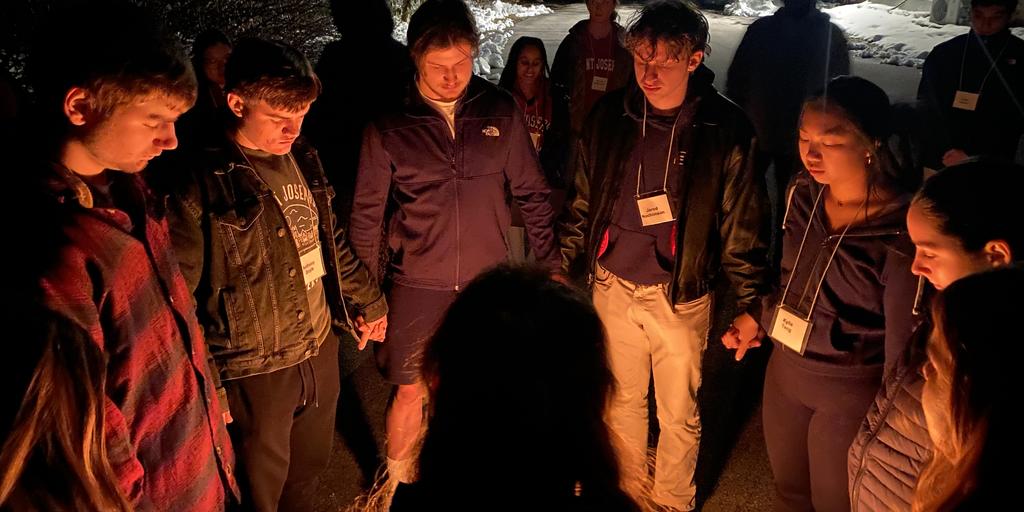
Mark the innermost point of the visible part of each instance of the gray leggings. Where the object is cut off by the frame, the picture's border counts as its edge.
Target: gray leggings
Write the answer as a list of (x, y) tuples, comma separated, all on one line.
[(810, 419)]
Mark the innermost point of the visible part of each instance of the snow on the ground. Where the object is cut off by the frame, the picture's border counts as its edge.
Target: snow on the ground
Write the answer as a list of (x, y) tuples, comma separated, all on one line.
[(494, 20), (894, 36), (876, 31), (750, 8)]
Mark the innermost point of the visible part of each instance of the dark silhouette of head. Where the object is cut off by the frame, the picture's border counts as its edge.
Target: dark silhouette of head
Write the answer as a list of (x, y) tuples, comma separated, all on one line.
[(518, 381), (206, 70), (797, 7), (364, 19)]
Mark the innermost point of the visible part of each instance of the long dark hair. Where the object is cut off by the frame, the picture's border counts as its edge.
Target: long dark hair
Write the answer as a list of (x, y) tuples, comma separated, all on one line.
[(969, 469), (977, 202), (519, 381), (54, 454), (508, 74)]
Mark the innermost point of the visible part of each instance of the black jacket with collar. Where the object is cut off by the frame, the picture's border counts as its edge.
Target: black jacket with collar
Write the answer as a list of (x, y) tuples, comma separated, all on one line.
[(995, 126), (450, 215), (234, 249), (723, 217)]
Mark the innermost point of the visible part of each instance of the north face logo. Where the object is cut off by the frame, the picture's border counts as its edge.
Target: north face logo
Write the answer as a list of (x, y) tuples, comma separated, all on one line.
[(491, 131)]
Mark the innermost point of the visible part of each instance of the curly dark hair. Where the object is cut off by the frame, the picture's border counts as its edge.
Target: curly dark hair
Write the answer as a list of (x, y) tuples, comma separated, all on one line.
[(678, 24)]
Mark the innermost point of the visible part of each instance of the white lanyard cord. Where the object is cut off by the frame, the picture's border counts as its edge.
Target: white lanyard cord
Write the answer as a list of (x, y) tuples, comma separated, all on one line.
[(992, 66), (668, 158), (799, 253)]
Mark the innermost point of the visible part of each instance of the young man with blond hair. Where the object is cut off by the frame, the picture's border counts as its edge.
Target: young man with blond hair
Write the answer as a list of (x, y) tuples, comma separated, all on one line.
[(443, 163)]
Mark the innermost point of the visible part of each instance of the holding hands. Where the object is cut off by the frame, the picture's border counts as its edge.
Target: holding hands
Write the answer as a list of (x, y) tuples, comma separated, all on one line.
[(743, 334), (374, 330)]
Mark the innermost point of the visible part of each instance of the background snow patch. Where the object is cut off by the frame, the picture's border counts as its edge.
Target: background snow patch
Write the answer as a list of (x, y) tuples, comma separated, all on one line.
[(494, 20)]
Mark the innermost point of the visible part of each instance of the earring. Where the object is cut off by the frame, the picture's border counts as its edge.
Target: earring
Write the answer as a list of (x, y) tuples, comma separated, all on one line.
[(869, 159)]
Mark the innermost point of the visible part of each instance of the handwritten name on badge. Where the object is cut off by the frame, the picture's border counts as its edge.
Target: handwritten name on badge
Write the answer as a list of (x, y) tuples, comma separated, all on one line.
[(787, 325), (790, 329), (654, 210), (966, 101)]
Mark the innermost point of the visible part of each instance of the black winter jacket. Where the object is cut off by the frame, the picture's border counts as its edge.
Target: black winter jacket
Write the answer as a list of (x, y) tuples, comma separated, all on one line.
[(450, 215), (964, 62), (723, 218), (237, 255)]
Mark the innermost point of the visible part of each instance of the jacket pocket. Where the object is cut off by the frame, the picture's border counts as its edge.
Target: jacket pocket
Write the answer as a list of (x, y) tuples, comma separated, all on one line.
[(243, 215), (237, 226), (248, 263)]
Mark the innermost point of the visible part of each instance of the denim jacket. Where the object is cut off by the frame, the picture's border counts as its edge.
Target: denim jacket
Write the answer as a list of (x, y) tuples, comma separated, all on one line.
[(238, 257)]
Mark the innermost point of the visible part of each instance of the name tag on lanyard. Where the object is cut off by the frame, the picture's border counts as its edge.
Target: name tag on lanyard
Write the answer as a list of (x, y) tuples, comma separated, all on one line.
[(790, 329), (966, 101), (654, 209)]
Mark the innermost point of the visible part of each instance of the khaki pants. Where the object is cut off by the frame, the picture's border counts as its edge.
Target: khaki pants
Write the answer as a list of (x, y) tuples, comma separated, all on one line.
[(646, 334)]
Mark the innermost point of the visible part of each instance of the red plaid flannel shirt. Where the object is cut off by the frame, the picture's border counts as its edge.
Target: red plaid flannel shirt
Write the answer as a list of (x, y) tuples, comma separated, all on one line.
[(165, 434)]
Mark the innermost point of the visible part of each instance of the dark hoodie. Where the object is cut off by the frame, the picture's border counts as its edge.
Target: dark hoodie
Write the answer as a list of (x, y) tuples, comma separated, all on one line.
[(863, 315)]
